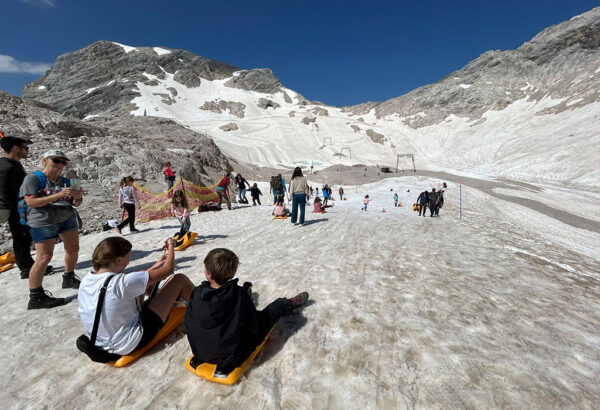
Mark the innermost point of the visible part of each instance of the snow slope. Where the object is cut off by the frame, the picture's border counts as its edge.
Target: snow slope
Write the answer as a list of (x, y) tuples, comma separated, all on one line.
[(516, 142), (499, 309)]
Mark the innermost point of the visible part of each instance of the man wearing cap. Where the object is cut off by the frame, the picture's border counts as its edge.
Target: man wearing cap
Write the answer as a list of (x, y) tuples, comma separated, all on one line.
[(12, 174), (51, 216)]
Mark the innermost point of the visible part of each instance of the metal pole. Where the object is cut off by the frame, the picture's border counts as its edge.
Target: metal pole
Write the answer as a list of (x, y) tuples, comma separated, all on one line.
[(413, 160), (460, 194), (397, 160)]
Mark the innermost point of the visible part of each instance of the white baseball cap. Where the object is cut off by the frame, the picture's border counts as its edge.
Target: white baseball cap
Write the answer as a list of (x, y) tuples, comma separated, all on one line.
[(54, 153)]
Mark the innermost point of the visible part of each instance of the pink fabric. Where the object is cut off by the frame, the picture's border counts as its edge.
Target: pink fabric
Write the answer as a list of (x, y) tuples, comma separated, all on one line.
[(317, 208), (179, 211)]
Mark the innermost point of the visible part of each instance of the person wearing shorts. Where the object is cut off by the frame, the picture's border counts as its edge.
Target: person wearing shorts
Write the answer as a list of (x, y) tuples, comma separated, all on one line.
[(128, 322), (51, 216)]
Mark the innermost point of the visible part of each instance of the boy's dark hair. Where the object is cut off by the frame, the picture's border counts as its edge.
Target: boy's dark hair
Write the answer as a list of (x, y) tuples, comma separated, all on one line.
[(8, 143), (222, 264), (108, 250)]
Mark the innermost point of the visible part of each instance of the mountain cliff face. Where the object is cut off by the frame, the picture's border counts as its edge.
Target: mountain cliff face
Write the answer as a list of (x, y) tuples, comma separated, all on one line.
[(517, 113), (100, 78)]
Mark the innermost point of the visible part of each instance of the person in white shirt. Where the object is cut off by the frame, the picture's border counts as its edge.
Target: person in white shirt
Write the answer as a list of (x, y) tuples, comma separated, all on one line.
[(128, 322)]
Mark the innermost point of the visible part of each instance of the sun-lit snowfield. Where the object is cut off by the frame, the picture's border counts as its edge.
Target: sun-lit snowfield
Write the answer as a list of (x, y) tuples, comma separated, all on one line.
[(501, 309)]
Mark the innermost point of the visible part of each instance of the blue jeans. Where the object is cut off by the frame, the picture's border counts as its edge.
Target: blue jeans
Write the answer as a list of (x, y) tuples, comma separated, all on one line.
[(298, 200), (185, 223), (242, 194)]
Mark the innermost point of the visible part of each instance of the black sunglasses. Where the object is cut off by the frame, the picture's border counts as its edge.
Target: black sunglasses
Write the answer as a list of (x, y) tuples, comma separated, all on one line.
[(60, 161)]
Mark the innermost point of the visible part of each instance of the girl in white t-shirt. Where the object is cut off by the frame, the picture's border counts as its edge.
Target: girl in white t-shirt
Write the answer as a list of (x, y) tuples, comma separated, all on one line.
[(128, 322)]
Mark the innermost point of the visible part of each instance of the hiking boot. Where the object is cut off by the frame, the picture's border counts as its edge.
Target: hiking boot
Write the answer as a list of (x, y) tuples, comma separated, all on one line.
[(44, 300), (118, 230), (134, 230), (70, 280), (299, 300), (25, 273)]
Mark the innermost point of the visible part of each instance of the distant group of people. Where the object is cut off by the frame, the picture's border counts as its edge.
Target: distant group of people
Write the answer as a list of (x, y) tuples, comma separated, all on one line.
[(433, 200)]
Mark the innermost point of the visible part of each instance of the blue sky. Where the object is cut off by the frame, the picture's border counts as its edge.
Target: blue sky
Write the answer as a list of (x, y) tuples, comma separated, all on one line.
[(338, 52)]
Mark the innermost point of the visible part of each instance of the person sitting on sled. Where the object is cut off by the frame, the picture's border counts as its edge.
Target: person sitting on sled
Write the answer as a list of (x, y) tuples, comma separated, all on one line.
[(280, 209), (128, 322), (319, 207), (223, 325)]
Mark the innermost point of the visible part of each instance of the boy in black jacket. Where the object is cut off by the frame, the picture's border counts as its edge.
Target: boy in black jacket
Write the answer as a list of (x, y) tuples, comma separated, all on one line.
[(222, 323)]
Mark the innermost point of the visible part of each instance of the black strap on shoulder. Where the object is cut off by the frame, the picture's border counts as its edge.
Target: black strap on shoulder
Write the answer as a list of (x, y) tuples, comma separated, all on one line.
[(99, 311)]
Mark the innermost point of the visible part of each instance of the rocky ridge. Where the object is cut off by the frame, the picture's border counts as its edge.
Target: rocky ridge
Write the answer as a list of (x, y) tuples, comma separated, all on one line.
[(102, 150), (559, 62), (101, 78)]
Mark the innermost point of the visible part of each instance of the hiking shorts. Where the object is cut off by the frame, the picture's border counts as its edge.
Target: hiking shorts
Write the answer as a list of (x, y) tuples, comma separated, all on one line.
[(151, 323), (53, 231)]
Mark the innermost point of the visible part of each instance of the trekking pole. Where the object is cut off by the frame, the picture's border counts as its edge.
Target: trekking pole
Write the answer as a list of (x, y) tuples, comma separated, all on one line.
[(460, 196)]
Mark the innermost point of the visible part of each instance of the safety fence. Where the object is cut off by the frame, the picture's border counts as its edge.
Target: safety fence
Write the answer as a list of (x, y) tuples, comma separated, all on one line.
[(158, 205)]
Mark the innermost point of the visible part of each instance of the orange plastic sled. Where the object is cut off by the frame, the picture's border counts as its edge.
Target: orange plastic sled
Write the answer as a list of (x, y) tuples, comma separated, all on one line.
[(207, 370), (175, 319), (280, 217), (7, 259), (4, 268)]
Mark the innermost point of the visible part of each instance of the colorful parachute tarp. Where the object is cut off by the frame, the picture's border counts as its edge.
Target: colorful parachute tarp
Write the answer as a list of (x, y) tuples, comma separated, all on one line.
[(157, 206)]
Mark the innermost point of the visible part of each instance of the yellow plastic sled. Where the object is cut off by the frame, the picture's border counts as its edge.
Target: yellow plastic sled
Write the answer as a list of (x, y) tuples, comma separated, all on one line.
[(175, 318), (416, 207), (207, 370), (187, 240), (280, 217)]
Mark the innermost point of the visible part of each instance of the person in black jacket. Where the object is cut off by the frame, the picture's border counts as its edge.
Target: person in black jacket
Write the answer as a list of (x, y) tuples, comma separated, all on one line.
[(241, 184), (255, 192), (434, 199), (12, 174), (222, 323)]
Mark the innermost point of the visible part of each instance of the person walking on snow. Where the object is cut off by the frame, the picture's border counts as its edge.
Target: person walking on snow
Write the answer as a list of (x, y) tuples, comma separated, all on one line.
[(128, 200), (241, 186), (341, 191), (255, 192), (365, 203), (434, 199), (422, 201), (325, 195), (396, 199), (223, 190)]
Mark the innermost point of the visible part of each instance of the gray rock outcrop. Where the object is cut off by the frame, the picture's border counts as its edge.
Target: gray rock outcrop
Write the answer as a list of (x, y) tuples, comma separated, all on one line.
[(260, 80), (229, 127), (375, 136), (265, 103), (220, 106)]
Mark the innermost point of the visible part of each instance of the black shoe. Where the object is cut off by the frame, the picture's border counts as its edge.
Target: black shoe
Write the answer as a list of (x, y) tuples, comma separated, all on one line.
[(70, 281), (25, 273), (299, 300), (44, 300)]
